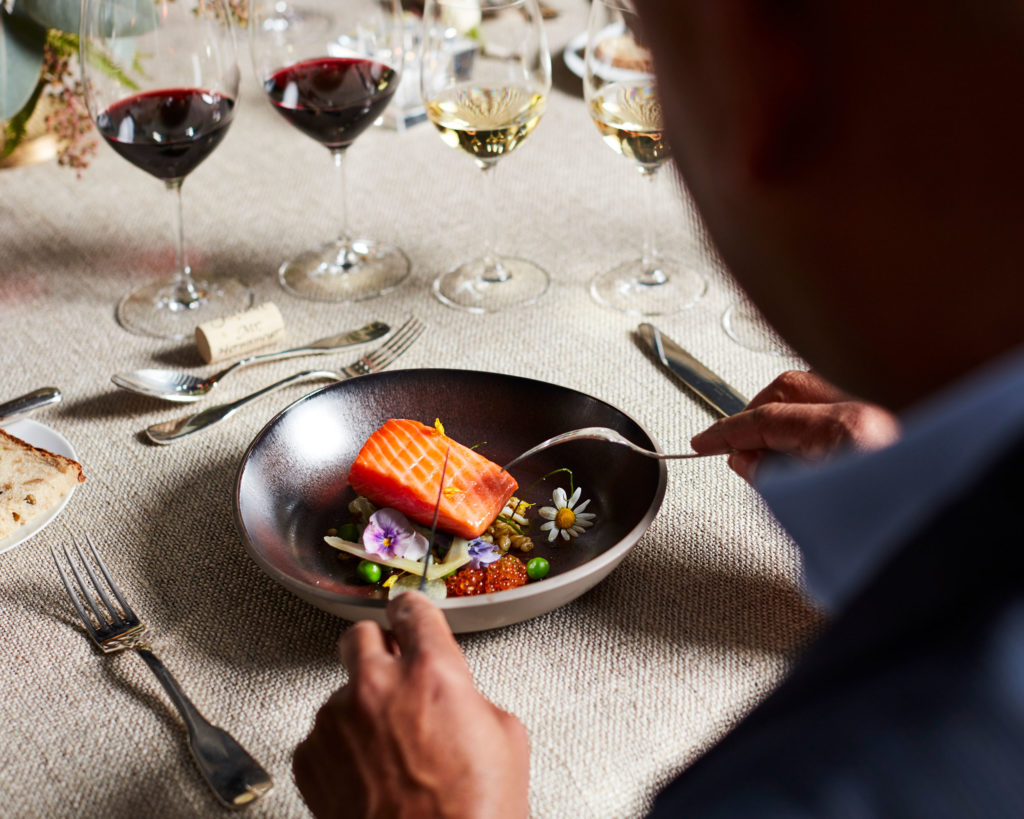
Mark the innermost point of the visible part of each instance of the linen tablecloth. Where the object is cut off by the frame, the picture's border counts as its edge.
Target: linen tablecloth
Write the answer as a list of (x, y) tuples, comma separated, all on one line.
[(619, 690)]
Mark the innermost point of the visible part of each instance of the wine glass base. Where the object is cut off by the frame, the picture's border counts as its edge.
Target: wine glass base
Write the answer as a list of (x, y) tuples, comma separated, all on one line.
[(623, 288), (745, 326), (342, 271), (465, 287), (154, 310)]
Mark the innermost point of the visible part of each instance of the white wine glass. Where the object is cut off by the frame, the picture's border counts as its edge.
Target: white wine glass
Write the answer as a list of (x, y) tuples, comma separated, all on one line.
[(330, 70), (619, 88), (161, 84), (485, 103)]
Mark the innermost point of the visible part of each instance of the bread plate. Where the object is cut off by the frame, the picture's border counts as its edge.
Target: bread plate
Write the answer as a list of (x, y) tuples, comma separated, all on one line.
[(42, 436), (292, 484)]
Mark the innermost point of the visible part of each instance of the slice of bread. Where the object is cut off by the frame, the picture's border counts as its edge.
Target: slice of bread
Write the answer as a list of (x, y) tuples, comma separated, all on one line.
[(32, 482)]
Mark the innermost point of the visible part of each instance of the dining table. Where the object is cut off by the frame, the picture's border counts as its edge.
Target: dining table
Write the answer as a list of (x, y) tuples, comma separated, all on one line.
[(620, 689)]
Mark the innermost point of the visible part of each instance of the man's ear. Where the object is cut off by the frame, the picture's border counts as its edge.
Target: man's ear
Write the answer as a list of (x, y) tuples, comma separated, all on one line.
[(775, 112)]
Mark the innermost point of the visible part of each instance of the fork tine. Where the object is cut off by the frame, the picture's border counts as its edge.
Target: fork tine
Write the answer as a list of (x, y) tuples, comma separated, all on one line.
[(115, 615), (385, 355), (385, 360), (128, 613), (101, 620), (411, 325), (71, 592)]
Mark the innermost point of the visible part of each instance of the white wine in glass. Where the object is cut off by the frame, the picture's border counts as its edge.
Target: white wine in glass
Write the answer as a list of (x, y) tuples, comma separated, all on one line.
[(161, 84), (486, 106), (620, 91)]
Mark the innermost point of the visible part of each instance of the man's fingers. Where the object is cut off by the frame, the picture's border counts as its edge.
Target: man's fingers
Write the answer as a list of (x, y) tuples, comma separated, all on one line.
[(363, 640), (808, 430), (797, 429), (745, 464), (418, 626), (798, 387)]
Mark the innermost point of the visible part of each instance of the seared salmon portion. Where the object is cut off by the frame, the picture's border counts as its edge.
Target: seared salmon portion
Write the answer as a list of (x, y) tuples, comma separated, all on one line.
[(400, 466)]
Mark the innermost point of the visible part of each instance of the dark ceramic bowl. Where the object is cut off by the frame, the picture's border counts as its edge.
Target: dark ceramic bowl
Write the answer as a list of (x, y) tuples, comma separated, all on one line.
[(292, 483)]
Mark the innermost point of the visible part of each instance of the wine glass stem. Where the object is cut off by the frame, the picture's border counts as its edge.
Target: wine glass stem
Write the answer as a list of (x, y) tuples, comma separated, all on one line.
[(341, 194), (652, 274), (184, 295), (494, 271)]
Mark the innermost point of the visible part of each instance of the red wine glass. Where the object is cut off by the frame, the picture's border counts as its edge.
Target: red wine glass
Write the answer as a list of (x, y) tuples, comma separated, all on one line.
[(331, 76), (161, 84)]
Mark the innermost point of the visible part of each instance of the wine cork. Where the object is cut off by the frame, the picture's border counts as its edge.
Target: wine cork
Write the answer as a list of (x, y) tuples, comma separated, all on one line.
[(234, 336)]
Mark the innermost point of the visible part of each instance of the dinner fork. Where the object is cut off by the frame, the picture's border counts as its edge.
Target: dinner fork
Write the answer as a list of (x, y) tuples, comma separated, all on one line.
[(234, 776), (167, 432)]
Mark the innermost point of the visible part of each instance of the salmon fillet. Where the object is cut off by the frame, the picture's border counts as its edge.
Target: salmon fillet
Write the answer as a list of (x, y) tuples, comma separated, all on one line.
[(400, 466)]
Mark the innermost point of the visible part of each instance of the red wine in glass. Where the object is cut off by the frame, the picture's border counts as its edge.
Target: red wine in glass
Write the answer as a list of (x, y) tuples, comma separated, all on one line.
[(167, 133), (333, 99), (330, 73)]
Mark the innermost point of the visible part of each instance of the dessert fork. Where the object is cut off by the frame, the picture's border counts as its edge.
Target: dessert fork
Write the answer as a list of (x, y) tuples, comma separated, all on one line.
[(600, 434), (167, 432), (234, 776)]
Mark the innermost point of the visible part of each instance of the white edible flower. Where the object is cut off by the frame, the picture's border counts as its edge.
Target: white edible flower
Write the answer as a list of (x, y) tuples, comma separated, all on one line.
[(565, 516)]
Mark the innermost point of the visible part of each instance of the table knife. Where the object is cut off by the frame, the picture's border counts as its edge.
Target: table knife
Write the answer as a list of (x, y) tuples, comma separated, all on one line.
[(706, 385), (30, 402)]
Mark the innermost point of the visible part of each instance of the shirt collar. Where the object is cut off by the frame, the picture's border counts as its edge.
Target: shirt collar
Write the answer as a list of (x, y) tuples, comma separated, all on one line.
[(851, 514)]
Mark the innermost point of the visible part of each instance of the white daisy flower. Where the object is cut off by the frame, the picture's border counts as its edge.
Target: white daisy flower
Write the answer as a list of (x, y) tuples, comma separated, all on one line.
[(565, 517)]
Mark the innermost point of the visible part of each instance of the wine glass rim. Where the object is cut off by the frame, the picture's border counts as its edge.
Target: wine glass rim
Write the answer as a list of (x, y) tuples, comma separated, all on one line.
[(620, 5), (490, 5)]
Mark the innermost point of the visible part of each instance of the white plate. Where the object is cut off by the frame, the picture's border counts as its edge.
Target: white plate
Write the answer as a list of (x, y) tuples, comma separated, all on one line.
[(43, 437)]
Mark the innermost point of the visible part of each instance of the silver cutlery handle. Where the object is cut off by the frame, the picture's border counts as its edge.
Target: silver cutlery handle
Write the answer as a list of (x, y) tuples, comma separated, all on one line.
[(234, 776), (375, 329), (30, 402), (169, 431)]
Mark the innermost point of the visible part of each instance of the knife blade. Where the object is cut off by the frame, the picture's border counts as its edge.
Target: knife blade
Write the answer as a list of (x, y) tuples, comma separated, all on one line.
[(29, 402), (433, 525), (706, 385)]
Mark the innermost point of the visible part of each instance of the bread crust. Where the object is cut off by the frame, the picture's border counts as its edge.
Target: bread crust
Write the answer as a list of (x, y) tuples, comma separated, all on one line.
[(23, 497)]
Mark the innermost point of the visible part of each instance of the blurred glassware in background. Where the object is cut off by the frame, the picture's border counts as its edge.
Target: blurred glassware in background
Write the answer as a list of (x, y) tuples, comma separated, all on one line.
[(745, 325)]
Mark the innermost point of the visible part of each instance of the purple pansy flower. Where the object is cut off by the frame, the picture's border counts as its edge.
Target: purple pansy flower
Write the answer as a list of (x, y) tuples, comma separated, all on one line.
[(388, 533), (482, 553)]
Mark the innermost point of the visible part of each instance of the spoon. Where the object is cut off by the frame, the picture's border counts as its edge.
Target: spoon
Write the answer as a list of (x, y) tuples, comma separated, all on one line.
[(171, 385), (598, 434)]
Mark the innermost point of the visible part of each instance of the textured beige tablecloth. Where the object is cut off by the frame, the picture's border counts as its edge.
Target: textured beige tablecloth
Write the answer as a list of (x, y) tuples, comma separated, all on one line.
[(619, 690)]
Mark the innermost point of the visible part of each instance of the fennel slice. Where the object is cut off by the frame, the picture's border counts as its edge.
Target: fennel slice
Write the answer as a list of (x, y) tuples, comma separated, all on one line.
[(458, 556)]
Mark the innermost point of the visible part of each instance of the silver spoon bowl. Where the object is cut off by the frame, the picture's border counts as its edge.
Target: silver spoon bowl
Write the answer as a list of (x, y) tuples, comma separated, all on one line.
[(171, 385), (599, 434)]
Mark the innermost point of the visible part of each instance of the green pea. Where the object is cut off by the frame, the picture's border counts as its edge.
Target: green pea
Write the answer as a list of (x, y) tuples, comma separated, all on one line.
[(368, 571), (349, 532), (537, 568)]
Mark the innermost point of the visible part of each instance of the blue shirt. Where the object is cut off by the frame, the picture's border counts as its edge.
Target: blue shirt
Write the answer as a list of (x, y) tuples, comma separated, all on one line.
[(849, 514), (911, 702)]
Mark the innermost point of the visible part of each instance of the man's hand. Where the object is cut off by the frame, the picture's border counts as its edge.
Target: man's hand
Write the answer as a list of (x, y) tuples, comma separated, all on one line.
[(410, 735), (799, 414)]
